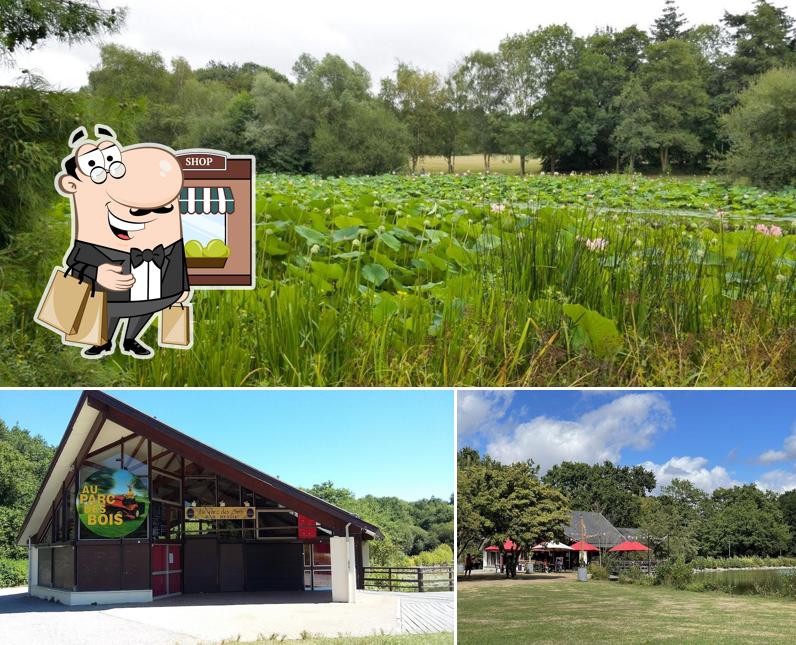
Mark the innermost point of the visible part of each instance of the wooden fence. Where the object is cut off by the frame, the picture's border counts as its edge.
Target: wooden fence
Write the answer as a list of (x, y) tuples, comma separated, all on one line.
[(420, 579)]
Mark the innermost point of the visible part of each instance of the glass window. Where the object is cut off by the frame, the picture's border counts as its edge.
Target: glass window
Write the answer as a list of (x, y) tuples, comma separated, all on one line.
[(136, 457), (200, 491), (228, 492), (165, 459), (193, 469), (166, 488), (166, 521), (276, 525)]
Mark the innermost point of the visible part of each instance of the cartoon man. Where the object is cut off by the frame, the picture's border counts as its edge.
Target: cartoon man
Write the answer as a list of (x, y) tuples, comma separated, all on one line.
[(127, 230)]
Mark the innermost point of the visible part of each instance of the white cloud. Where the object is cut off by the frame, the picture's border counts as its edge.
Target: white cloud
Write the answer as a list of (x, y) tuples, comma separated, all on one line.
[(777, 480), (481, 410), (788, 450), (693, 469), (631, 421)]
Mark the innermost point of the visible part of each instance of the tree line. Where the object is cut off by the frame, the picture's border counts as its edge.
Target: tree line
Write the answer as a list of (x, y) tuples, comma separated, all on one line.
[(611, 100), (498, 501)]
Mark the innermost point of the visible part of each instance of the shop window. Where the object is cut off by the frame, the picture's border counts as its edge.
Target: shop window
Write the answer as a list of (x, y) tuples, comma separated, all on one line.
[(317, 566), (258, 501), (228, 492), (166, 488), (192, 469), (135, 456), (166, 522), (200, 491), (47, 534), (276, 524), (164, 459)]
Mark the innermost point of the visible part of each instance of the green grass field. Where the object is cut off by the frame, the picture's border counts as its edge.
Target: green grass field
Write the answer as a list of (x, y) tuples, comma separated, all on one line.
[(558, 609)]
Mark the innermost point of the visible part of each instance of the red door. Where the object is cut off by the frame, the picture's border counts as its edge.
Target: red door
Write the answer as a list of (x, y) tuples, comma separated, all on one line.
[(166, 569)]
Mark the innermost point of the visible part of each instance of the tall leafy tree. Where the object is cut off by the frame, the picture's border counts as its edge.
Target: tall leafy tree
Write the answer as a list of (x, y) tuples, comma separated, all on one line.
[(743, 520), (762, 131), (787, 503), (634, 133), (614, 491), (481, 76), (670, 24), (673, 519), (530, 61), (417, 99), (763, 38), (497, 502), (678, 102)]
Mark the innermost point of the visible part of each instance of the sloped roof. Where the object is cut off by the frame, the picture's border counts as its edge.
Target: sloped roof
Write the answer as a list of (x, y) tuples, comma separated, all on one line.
[(632, 534), (599, 531), (95, 409)]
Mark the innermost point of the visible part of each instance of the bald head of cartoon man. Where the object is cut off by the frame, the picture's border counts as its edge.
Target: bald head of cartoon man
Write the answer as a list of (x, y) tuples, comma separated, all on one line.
[(122, 198)]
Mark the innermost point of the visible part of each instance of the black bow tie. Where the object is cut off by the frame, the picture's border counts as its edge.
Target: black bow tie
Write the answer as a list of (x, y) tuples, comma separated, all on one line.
[(156, 255)]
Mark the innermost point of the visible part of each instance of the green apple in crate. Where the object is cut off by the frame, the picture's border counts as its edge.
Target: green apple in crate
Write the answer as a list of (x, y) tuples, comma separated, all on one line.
[(216, 249), (194, 249)]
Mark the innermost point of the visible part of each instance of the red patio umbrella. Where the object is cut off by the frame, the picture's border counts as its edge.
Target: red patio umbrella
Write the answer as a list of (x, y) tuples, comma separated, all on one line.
[(582, 545), (508, 545), (629, 546)]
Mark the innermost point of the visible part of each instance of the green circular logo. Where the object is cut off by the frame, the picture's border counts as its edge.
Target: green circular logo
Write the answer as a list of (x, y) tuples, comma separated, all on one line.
[(112, 503)]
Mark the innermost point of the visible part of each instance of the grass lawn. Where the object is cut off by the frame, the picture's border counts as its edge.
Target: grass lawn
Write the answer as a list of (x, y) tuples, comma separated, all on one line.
[(558, 609), (403, 639)]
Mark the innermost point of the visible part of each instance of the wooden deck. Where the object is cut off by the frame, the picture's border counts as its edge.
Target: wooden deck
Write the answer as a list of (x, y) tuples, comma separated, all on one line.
[(425, 613)]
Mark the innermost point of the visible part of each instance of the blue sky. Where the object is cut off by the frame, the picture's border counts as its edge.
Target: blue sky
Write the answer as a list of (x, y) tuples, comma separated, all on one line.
[(713, 438), (396, 442)]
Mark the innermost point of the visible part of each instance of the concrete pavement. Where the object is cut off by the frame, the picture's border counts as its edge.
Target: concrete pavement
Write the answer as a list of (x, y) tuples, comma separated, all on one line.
[(195, 619)]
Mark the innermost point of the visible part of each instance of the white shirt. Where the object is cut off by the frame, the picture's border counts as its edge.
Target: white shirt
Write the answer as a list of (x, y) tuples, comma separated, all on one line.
[(147, 282)]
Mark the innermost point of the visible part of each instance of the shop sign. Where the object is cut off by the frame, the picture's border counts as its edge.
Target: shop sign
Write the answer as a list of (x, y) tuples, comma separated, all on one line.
[(112, 504), (219, 513)]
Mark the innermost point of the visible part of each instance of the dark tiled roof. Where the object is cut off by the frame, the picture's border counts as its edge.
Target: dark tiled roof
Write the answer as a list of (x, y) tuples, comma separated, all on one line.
[(633, 534), (599, 531)]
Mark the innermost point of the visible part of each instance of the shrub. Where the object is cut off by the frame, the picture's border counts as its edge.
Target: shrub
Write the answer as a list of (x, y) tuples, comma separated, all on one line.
[(675, 574), (631, 575), (762, 131), (598, 572), (13, 573)]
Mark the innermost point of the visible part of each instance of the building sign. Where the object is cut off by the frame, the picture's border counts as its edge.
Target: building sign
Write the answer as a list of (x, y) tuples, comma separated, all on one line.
[(307, 528), (112, 504), (217, 213), (219, 513)]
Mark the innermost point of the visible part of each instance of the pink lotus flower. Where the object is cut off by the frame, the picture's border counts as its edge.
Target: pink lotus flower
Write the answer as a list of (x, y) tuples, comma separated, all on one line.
[(597, 244), (498, 208), (773, 231)]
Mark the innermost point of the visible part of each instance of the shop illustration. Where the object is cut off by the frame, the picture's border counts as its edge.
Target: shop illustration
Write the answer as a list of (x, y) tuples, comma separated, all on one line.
[(217, 212), (149, 226)]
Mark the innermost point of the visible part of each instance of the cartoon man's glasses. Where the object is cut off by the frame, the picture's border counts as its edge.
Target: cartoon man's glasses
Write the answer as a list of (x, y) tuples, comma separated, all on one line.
[(116, 170)]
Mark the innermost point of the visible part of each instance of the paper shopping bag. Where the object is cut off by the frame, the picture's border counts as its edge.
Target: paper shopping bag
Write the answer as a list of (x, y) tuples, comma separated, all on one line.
[(63, 303), (176, 326), (93, 326)]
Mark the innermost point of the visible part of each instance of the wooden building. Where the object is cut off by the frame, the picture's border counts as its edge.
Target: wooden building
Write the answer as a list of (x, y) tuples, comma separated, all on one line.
[(132, 509)]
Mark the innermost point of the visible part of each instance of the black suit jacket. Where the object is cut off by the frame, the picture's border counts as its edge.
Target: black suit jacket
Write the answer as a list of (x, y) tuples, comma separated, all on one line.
[(86, 257)]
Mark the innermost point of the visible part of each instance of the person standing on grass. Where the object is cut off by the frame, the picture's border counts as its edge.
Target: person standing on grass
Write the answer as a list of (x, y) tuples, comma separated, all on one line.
[(468, 565)]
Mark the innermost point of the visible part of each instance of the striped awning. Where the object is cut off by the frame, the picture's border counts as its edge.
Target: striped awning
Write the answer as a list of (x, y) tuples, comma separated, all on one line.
[(206, 201)]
